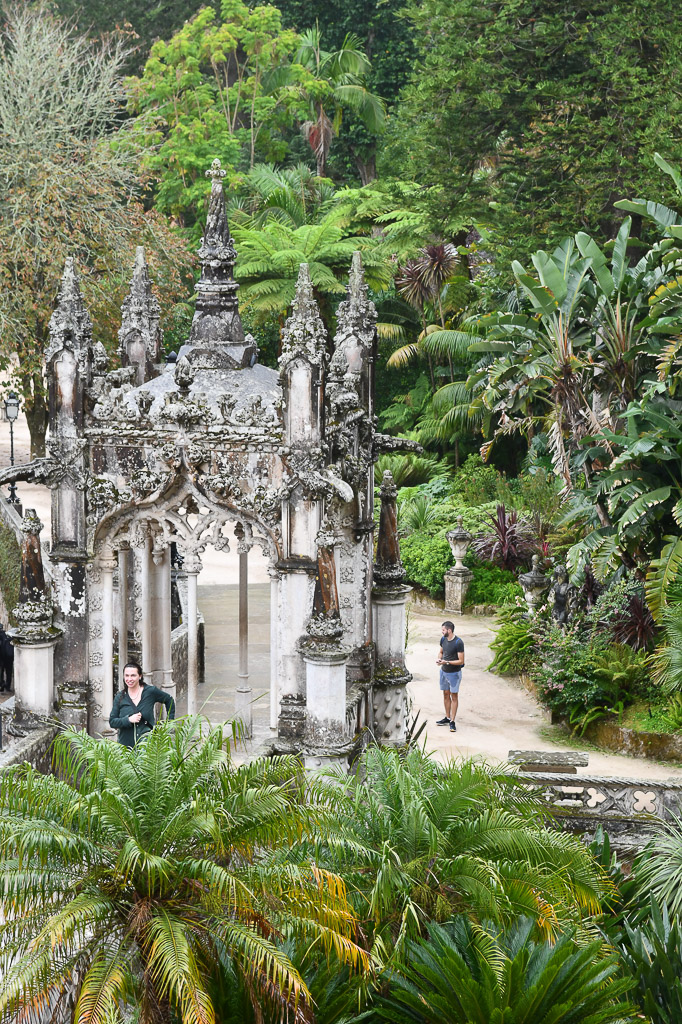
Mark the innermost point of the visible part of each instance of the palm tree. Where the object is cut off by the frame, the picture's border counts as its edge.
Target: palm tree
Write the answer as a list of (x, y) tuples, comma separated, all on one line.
[(270, 256), (294, 196), (132, 876), (337, 82), (419, 840), (463, 974)]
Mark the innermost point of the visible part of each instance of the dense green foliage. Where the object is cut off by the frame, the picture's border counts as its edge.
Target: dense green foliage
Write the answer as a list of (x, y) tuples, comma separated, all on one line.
[(532, 119)]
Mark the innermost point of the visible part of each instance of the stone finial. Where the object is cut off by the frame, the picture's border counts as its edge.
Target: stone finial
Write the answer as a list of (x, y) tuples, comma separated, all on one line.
[(184, 374), (140, 335), (33, 613), (304, 335), (215, 171), (388, 569), (217, 339), (356, 318), (70, 324), (217, 245), (357, 289), (325, 629)]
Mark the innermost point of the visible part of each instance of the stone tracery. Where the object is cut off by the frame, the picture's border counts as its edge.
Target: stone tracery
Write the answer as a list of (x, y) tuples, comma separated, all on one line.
[(149, 457)]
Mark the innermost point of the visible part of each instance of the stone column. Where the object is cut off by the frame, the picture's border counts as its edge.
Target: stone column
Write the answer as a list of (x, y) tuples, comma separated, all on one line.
[(192, 567), (69, 369), (34, 637), (160, 613), (302, 367), (107, 562), (124, 610), (274, 605), (243, 708), (389, 597), (327, 740), (146, 605)]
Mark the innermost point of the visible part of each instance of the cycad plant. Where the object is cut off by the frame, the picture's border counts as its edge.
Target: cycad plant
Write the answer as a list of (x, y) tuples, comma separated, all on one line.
[(464, 974), (134, 877), (419, 841)]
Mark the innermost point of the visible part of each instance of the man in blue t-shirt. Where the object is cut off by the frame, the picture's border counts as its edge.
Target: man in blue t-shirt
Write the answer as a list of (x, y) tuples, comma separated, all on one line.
[(451, 661)]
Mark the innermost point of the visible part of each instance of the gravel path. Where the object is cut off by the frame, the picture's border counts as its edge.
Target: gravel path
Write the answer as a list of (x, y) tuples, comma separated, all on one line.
[(495, 714)]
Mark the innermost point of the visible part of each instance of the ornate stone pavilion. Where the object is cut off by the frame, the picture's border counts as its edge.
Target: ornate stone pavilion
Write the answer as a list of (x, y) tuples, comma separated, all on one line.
[(151, 463)]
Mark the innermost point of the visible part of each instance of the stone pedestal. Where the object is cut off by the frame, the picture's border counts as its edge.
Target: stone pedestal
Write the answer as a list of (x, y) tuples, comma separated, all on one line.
[(34, 636), (34, 674), (456, 586), (391, 677)]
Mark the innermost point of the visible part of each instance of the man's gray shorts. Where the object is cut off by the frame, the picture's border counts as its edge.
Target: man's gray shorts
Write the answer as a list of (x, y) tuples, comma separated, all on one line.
[(450, 681)]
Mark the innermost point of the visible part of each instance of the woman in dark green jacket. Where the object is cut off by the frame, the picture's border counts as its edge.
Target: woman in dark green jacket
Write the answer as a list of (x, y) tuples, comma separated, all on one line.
[(133, 710)]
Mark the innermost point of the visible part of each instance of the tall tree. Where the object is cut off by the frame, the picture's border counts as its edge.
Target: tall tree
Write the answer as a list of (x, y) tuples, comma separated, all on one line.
[(213, 90), (535, 117), (68, 186), (338, 81)]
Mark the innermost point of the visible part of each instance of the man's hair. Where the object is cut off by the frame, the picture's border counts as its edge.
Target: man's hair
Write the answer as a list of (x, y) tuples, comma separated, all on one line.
[(449, 625)]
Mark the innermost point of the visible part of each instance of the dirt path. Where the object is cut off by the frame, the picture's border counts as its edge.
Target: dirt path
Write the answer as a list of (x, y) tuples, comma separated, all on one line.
[(495, 715)]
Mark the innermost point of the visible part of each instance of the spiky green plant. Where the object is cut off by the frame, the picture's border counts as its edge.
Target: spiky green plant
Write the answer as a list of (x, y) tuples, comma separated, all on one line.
[(131, 875), (463, 974), (419, 840)]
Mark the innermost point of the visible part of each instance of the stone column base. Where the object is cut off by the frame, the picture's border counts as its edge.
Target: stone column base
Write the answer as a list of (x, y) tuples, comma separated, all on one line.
[(390, 706), (456, 585)]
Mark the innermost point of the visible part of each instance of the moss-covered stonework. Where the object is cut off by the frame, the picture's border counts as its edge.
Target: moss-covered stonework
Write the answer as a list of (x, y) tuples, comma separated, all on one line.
[(655, 745)]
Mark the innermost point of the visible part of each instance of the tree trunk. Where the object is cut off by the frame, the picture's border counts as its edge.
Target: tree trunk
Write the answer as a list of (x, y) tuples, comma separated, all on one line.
[(366, 165), (36, 416)]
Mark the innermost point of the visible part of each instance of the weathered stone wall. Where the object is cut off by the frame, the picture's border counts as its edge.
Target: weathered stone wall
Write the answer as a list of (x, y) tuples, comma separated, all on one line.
[(35, 747), (659, 746)]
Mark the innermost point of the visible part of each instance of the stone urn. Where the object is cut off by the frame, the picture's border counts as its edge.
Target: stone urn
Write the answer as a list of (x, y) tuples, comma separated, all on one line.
[(458, 578)]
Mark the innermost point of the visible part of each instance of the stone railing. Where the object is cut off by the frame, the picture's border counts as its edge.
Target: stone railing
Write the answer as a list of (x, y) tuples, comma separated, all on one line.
[(623, 807)]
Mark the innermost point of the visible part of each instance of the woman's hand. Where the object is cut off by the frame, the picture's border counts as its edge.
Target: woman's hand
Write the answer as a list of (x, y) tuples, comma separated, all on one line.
[(134, 719)]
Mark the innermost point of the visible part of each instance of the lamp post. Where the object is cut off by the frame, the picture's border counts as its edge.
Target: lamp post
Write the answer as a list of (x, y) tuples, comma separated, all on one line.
[(12, 405)]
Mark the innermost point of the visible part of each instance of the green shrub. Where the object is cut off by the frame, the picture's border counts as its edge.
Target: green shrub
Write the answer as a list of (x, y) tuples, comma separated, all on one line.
[(10, 567), (426, 560), (491, 584), (514, 644), (477, 483)]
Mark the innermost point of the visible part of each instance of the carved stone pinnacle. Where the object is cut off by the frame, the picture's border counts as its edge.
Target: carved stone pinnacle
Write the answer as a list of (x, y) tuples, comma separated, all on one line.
[(215, 171)]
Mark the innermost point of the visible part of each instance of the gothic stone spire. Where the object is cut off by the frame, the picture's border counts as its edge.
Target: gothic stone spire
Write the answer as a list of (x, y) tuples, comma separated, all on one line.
[(217, 337), (140, 335), (356, 318), (69, 357), (304, 335), (70, 325)]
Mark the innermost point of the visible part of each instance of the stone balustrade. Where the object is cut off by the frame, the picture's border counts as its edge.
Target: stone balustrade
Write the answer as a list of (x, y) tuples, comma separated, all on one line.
[(622, 807)]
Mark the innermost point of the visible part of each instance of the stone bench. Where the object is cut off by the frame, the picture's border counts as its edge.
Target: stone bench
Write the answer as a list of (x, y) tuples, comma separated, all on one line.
[(565, 762)]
